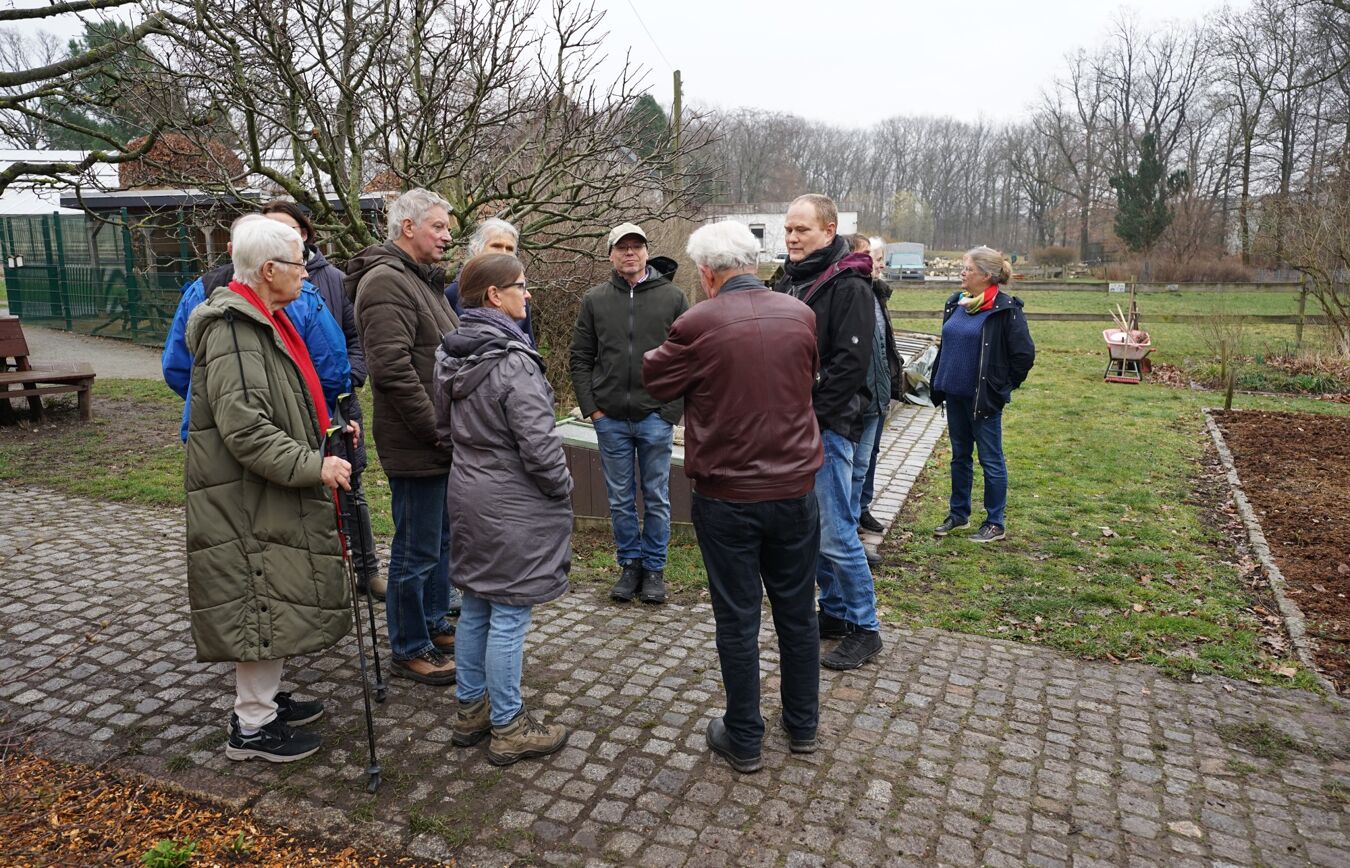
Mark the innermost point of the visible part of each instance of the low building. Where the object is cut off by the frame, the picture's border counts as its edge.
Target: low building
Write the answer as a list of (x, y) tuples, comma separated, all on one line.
[(765, 220)]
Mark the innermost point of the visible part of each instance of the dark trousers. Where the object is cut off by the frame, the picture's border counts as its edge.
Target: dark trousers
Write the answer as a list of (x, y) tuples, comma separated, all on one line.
[(356, 527), (749, 549)]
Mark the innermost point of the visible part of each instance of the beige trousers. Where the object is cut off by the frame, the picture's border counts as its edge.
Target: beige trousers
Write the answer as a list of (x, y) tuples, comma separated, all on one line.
[(255, 686)]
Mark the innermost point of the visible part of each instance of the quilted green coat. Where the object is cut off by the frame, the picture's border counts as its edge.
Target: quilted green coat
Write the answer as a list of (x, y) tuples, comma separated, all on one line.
[(265, 571)]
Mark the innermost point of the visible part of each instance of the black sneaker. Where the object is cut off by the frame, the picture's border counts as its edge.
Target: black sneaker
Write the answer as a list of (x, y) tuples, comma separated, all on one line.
[(653, 586), (628, 582), (796, 744), (948, 525), (297, 712), (988, 532), (721, 744), (832, 627), (870, 524), (276, 742), (857, 648)]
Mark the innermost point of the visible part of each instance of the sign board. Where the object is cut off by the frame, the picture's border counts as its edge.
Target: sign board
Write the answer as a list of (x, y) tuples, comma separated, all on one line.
[(1116, 287)]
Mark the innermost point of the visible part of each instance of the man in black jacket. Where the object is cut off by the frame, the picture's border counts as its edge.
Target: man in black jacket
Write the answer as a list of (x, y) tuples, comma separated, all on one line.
[(620, 320), (837, 286)]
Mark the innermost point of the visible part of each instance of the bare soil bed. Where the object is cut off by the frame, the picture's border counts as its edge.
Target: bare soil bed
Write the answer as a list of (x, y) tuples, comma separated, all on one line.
[(1295, 470)]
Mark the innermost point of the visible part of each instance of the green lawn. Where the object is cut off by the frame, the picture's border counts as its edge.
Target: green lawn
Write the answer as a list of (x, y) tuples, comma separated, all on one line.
[(1262, 303)]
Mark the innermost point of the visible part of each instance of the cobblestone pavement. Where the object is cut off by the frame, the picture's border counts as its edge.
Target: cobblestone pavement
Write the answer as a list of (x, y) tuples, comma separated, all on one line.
[(911, 432), (950, 749)]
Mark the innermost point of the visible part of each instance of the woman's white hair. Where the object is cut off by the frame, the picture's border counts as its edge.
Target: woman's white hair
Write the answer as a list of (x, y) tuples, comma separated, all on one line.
[(413, 205), (724, 246), (488, 228), (254, 239)]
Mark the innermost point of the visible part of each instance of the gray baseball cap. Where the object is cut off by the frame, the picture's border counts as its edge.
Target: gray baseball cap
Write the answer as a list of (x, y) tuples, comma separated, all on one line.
[(624, 229)]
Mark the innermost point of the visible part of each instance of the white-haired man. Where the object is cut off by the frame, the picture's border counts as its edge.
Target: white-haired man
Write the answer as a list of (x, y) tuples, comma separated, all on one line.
[(399, 292), (884, 380), (745, 363), (493, 235), (837, 285)]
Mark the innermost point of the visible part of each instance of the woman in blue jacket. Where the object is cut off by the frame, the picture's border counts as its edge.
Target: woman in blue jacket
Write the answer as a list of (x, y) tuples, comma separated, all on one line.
[(986, 352)]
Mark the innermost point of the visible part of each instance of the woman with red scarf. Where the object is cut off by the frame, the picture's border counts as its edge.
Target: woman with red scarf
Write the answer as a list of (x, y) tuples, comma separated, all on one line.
[(986, 352), (265, 571)]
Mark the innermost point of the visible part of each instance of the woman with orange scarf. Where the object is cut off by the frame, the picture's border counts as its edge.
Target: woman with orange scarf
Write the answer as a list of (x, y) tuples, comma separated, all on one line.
[(986, 352)]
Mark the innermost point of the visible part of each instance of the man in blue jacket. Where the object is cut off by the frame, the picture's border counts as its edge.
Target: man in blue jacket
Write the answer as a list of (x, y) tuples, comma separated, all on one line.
[(310, 316)]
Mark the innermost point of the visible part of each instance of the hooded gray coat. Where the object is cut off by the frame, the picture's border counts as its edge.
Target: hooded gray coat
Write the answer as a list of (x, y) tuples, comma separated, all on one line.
[(265, 572), (509, 491)]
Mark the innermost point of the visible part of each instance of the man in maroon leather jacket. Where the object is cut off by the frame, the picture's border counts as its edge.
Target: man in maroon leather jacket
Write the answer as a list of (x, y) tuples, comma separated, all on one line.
[(745, 362)]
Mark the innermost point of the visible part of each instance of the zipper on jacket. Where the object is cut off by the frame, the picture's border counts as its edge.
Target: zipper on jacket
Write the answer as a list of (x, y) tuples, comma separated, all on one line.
[(628, 374), (238, 357), (984, 345)]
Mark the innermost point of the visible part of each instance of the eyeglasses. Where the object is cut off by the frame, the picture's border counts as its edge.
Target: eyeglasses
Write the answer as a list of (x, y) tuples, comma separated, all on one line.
[(518, 283), (287, 262)]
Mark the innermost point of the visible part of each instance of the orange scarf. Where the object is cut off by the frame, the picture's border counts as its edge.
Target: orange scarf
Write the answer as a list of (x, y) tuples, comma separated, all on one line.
[(976, 303), (295, 347)]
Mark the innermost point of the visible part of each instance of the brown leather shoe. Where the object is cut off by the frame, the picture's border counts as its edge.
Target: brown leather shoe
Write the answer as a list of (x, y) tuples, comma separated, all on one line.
[(433, 667), (525, 737), (473, 721), (444, 642)]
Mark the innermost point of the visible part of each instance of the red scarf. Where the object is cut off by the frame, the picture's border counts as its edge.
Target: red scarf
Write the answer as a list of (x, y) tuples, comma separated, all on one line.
[(973, 307), (295, 346)]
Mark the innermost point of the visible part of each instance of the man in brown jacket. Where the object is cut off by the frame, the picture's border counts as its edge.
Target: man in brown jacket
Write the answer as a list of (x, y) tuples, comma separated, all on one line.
[(398, 289), (745, 362)]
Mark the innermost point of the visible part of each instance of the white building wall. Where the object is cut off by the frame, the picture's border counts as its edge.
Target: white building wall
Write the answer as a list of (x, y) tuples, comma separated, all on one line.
[(768, 227)]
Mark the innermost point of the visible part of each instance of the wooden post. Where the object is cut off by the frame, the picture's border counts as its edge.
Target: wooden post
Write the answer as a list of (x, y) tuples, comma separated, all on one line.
[(1302, 308)]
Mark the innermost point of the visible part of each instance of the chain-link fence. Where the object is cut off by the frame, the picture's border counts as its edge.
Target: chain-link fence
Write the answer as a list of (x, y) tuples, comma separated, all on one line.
[(66, 271)]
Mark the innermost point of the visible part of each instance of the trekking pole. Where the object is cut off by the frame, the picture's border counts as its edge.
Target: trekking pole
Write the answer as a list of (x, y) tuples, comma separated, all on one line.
[(363, 533), (373, 770)]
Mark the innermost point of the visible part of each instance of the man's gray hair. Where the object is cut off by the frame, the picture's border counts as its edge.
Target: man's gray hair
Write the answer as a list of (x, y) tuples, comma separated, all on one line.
[(877, 242), (413, 205), (483, 234), (723, 246), (255, 240)]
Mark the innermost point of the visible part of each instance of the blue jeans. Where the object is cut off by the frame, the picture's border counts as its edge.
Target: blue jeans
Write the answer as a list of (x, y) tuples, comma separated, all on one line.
[(418, 597), (489, 651), (869, 484), (647, 443), (865, 465), (966, 432), (845, 579)]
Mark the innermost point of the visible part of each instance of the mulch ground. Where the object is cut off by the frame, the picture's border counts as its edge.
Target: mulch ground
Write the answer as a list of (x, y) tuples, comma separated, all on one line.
[(56, 814), (1295, 470)]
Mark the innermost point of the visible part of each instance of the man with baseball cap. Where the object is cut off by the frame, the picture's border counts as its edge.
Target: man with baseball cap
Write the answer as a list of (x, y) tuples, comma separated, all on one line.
[(620, 320)]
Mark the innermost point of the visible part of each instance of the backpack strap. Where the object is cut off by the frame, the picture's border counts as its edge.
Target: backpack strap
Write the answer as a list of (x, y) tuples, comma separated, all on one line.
[(821, 281)]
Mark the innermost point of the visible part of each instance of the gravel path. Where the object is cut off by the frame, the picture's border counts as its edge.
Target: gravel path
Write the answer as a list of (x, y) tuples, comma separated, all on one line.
[(112, 359)]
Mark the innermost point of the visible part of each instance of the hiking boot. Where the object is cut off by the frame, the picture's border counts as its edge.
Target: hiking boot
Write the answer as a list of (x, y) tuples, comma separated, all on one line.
[(720, 743), (276, 742), (376, 585), (444, 642), (870, 524), (297, 712), (988, 532), (628, 582), (857, 648), (873, 558), (525, 737), (948, 525), (473, 721), (796, 744), (653, 586), (832, 627), (430, 667)]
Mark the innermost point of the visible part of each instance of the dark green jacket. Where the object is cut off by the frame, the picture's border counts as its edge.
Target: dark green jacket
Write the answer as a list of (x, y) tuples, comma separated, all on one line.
[(617, 324), (265, 573)]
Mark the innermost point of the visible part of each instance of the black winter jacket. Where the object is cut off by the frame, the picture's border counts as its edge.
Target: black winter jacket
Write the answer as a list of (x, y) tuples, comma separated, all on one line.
[(616, 325), (1005, 359), (845, 320)]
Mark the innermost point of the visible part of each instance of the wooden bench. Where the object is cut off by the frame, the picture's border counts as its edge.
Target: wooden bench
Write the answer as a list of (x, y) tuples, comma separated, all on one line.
[(34, 381)]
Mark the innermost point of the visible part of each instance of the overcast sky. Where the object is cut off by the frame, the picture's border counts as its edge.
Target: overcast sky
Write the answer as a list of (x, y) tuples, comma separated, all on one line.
[(850, 63)]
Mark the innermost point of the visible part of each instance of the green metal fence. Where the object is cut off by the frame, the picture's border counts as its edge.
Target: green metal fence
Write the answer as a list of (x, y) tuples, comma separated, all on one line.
[(60, 273)]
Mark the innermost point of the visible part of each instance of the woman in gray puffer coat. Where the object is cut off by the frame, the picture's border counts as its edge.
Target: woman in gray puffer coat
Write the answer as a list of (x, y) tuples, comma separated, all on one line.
[(510, 510)]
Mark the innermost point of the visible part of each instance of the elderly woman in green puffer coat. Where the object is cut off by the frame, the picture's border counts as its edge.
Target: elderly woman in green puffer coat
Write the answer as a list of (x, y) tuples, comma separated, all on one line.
[(265, 570)]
